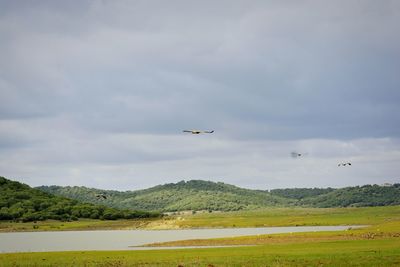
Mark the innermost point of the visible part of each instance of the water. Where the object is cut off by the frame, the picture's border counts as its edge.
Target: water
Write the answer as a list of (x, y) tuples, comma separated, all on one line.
[(123, 239)]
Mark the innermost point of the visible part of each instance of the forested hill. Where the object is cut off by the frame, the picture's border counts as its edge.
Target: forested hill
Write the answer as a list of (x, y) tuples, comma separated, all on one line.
[(19, 202), (191, 195), (357, 196), (300, 193), (206, 195)]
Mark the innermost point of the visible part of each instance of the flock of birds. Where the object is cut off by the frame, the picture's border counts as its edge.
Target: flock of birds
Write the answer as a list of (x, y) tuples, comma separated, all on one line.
[(294, 154), (341, 164)]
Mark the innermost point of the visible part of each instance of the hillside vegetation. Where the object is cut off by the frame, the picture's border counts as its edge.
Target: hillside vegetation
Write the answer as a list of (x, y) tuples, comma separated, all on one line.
[(300, 193), (358, 196), (205, 195), (191, 195), (19, 202)]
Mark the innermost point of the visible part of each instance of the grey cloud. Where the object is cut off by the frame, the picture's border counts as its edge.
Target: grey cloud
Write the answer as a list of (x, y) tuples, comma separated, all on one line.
[(105, 84), (264, 164)]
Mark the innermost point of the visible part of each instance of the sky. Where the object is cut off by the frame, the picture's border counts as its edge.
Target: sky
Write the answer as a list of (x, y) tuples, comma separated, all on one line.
[(97, 93)]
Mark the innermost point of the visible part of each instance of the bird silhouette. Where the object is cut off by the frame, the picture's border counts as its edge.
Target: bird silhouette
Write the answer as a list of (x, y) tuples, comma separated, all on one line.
[(197, 131), (101, 196), (296, 154), (344, 164)]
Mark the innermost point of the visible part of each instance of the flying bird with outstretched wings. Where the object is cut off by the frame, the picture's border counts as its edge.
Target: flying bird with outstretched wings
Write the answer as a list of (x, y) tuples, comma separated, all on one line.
[(344, 164), (197, 131), (101, 196)]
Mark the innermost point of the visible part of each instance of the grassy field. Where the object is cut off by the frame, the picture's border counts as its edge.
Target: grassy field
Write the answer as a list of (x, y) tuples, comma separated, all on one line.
[(258, 218), (383, 252), (386, 230), (376, 245), (291, 217), (73, 226)]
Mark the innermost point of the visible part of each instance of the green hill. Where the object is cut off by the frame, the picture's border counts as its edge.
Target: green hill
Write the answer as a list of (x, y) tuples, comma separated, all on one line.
[(191, 195), (300, 193), (207, 195), (358, 196), (19, 202)]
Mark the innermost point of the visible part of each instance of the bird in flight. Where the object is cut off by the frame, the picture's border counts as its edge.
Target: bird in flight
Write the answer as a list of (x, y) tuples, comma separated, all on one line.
[(197, 131), (344, 164), (296, 154), (101, 196)]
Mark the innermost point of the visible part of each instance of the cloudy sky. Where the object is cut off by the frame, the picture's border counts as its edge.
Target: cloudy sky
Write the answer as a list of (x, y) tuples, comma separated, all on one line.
[(97, 93)]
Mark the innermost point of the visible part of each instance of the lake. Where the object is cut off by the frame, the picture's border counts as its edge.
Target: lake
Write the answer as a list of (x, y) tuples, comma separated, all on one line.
[(123, 239)]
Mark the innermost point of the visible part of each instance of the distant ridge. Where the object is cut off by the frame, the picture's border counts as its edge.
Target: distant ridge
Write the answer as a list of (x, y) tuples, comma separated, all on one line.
[(217, 196)]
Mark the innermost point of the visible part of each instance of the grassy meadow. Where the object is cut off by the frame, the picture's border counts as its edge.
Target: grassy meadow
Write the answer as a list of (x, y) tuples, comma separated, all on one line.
[(291, 217), (376, 245), (384, 252), (80, 225), (256, 218), (386, 230)]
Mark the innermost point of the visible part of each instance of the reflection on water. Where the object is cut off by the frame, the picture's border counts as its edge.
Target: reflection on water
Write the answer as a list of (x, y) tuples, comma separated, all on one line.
[(122, 239)]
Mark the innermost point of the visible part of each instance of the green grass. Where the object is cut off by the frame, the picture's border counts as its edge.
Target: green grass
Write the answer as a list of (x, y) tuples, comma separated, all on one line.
[(83, 224), (379, 231), (292, 217), (377, 245), (257, 218), (384, 252)]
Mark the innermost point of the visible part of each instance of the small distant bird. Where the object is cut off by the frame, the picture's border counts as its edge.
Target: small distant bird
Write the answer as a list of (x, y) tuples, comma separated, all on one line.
[(344, 164), (296, 154), (197, 131), (101, 196)]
